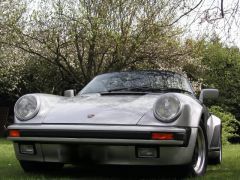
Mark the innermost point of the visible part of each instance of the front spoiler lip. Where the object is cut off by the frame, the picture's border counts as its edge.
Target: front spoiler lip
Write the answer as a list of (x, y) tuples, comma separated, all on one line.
[(183, 141)]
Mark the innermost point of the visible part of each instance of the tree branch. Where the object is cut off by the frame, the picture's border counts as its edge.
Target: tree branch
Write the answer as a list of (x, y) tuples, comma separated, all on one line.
[(186, 13), (222, 10)]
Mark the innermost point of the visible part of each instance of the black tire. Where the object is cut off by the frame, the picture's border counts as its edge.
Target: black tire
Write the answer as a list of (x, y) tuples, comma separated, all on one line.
[(198, 166), (218, 158), (32, 166)]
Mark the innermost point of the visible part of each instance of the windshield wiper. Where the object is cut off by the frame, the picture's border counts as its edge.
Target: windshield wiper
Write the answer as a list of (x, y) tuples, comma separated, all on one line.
[(149, 89), (170, 90), (117, 89), (142, 88)]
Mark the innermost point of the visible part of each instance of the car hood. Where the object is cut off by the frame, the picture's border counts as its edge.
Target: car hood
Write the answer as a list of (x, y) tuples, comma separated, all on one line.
[(101, 109)]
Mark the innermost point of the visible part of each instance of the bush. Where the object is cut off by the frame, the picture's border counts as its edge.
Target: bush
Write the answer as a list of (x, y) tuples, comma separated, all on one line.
[(230, 125)]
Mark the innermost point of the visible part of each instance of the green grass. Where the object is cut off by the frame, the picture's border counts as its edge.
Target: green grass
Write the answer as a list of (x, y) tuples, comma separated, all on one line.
[(230, 167), (10, 169)]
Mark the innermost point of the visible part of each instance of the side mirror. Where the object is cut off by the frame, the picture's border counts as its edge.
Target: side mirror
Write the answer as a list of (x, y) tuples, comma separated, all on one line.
[(208, 94), (69, 93)]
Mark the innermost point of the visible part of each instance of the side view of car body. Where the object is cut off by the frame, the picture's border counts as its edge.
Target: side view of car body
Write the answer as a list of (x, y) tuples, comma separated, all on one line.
[(123, 118)]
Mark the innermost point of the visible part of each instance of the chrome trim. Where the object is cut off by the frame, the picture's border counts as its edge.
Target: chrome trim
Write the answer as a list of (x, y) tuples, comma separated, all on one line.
[(98, 127), (99, 141)]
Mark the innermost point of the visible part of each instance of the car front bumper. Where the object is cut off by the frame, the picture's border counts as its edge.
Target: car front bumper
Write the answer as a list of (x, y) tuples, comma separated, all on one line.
[(98, 144)]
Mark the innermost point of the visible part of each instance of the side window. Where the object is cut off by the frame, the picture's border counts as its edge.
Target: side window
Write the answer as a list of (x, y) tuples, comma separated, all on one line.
[(97, 86)]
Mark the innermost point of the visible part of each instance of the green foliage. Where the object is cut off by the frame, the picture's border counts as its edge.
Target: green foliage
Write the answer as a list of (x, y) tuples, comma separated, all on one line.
[(38, 76), (229, 123), (222, 72), (215, 65)]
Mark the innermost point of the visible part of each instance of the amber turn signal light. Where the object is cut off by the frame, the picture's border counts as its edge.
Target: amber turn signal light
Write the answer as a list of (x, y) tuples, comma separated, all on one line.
[(162, 136), (14, 133)]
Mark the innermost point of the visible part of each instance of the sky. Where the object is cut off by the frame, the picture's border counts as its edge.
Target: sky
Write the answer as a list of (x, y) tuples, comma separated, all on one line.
[(227, 28)]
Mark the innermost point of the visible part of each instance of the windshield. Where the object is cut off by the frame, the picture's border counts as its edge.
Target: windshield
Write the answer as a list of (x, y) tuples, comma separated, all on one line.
[(138, 80)]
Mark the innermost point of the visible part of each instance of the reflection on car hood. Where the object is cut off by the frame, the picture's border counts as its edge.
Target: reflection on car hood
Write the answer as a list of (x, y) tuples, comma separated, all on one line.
[(97, 109)]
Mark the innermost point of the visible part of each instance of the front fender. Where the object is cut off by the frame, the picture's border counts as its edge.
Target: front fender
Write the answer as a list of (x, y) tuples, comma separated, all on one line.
[(214, 132), (47, 101), (190, 116)]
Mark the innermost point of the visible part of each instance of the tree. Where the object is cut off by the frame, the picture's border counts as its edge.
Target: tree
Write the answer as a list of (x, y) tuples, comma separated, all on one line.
[(223, 69), (216, 65), (85, 38), (80, 39)]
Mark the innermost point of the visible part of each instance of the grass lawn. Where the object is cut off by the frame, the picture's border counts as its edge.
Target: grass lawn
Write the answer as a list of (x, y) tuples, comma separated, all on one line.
[(10, 169)]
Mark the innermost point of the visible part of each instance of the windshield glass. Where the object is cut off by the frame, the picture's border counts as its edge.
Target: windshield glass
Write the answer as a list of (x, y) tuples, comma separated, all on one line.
[(141, 80)]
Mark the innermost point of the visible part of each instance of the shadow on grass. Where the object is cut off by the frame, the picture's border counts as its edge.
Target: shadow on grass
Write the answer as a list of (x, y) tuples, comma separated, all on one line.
[(118, 172)]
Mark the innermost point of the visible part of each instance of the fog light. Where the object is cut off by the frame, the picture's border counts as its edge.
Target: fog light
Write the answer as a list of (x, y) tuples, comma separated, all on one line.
[(27, 149), (143, 152)]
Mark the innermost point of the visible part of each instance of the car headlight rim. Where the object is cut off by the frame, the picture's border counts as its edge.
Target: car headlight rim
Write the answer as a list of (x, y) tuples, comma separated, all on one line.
[(175, 116), (33, 114)]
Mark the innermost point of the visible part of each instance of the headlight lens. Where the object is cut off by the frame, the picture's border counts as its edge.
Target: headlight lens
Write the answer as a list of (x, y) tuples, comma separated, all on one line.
[(27, 107), (167, 108)]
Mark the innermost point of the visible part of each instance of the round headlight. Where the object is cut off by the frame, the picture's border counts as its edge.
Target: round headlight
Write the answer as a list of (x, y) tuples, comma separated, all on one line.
[(27, 107), (167, 108)]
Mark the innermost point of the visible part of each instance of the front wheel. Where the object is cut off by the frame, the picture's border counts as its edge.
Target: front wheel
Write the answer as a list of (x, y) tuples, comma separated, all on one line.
[(198, 165), (32, 166)]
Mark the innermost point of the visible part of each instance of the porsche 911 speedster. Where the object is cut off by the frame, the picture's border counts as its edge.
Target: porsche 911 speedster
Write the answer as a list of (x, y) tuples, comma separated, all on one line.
[(120, 118)]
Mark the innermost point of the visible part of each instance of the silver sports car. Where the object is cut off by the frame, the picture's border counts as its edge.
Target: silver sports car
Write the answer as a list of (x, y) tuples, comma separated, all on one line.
[(121, 118)]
